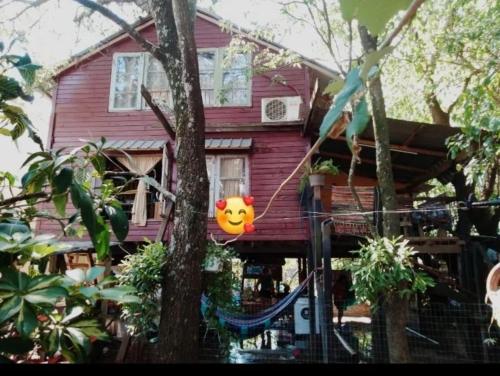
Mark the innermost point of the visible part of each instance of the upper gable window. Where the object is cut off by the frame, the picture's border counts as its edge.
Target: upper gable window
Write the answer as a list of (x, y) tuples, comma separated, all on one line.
[(126, 81), (221, 84), (236, 81), (207, 61)]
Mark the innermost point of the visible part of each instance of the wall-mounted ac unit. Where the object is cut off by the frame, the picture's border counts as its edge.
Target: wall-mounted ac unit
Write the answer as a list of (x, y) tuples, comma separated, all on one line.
[(281, 109)]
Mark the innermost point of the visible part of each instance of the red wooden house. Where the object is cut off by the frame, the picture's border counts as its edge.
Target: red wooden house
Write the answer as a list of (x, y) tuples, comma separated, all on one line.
[(250, 149), (258, 130)]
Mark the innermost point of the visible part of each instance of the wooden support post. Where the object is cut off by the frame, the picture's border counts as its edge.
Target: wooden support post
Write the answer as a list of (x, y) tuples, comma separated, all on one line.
[(310, 287), (317, 244), (326, 232)]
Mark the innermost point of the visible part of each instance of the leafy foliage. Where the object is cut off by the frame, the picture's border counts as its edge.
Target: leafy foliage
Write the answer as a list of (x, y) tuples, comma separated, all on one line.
[(53, 315), (384, 267), (324, 167), (220, 287), (143, 270), (372, 14)]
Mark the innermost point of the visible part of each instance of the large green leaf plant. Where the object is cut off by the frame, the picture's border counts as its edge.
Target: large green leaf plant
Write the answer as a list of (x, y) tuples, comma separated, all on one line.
[(52, 317)]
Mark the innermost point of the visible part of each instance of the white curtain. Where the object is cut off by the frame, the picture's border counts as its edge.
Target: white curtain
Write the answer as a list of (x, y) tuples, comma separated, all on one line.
[(140, 165)]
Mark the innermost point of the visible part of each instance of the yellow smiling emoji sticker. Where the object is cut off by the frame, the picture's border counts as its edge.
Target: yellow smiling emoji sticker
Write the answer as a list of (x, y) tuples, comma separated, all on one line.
[(235, 215)]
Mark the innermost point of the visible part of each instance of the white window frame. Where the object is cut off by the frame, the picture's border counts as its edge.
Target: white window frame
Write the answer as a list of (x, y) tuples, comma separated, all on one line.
[(216, 69), (214, 183), (116, 56), (218, 78), (144, 105)]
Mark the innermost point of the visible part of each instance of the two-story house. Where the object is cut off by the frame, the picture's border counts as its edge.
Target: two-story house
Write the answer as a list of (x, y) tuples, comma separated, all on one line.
[(254, 132)]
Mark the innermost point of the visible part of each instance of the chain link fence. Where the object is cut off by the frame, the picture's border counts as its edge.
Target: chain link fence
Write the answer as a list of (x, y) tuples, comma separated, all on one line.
[(448, 332)]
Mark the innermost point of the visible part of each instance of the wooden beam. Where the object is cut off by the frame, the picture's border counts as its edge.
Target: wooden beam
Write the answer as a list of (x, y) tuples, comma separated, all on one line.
[(372, 162), (434, 172), (402, 148)]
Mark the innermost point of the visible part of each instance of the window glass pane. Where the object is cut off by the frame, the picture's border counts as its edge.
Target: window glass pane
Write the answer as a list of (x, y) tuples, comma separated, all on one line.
[(127, 80), (157, 83), (232, 168), (236, 81), (232, 177), (206, 62)]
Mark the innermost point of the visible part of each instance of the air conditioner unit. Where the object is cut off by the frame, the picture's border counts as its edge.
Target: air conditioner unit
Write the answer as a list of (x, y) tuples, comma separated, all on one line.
[(281, 109)]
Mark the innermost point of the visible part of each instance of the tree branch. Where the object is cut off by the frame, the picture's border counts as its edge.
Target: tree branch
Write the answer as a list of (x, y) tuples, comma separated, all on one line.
[(408, 17), (158, 112), (25, 197), (148, 46)]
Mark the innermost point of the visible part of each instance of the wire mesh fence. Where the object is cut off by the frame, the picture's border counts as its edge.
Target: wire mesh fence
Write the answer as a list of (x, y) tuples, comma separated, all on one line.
[(448, 332)]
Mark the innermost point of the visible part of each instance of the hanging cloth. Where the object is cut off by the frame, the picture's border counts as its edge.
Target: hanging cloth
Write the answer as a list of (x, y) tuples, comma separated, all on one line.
[(140, 165)]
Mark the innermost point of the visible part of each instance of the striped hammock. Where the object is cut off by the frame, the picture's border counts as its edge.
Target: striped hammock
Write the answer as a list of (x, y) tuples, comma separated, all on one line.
[(249, 325)]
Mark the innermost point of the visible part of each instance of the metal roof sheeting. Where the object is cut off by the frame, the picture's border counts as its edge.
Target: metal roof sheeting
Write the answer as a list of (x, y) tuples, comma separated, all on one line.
[(210, 144), (228, 143), (135, 144)]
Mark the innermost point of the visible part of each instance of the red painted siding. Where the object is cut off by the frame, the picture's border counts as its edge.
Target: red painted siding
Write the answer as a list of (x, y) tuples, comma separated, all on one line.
[(81, 112)]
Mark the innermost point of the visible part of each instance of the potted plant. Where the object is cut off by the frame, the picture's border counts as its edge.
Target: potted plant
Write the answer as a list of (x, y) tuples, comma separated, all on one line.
[(320, 173)]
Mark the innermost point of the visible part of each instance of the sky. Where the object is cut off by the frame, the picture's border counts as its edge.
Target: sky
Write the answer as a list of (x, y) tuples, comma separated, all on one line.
[(51, 36)]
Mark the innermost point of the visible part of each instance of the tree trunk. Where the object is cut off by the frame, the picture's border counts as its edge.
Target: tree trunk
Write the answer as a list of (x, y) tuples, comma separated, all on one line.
[(395, 308), (382, 144), (181, 287)]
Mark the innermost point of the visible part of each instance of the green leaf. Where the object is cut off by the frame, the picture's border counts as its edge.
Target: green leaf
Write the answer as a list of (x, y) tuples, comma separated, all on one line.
[(28, 72), (73, 314), (372, 59), (372, 14), (120, 294), (99, 164), (352, 86), (44, 281), (10, 307), (334, 87), (92, 328), (119, 221), (45, 156), (14, 227), (89, 292), (82, 201), (16, 345), (49, 295), (94, 272), (26, 321), (60, 202), (77, 275), (62, 181), (5, 132), (10, 89), (359, 121), (79, 338), (102, 239)]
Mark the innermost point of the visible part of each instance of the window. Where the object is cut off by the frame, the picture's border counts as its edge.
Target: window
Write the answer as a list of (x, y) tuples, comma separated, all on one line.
[(228, 176), (126, 81), (156, 82), (236, 82), (222, 84), (207, 61)]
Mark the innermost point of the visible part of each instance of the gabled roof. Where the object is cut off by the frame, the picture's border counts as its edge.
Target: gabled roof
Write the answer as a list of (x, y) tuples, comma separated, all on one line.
[(143, 23)]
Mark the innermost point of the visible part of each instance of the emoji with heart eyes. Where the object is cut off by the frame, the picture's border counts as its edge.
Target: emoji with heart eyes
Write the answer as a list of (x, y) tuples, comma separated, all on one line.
[(235, 215)]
